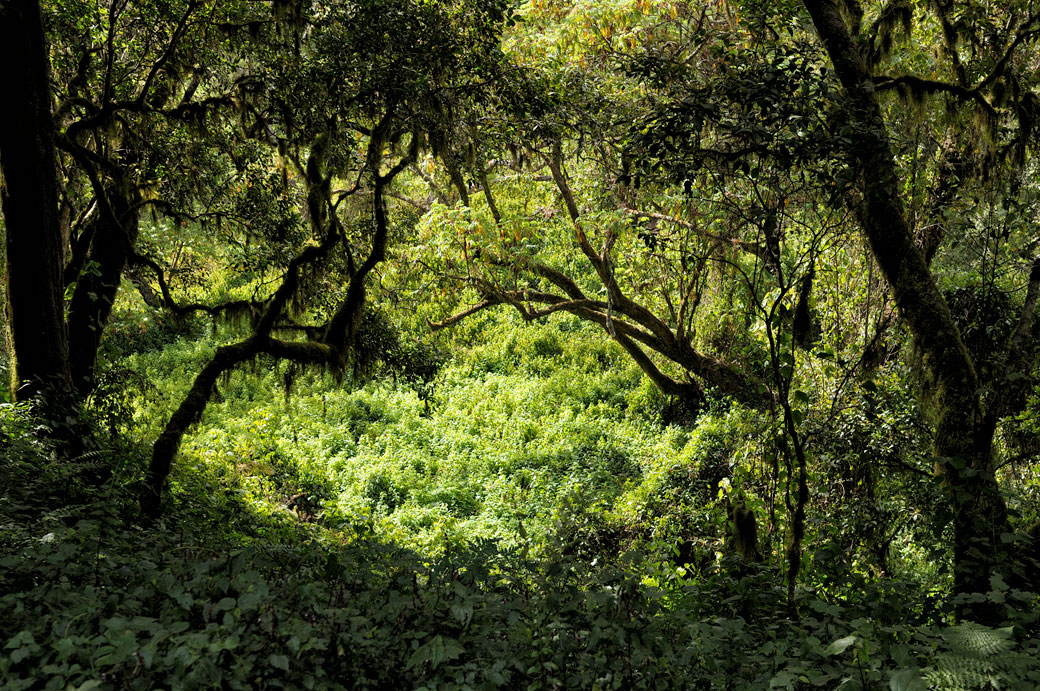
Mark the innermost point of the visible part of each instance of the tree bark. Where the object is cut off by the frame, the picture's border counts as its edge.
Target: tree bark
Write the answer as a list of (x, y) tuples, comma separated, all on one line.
[(187, 414), (112, 240), (35, 293), (963, 438)]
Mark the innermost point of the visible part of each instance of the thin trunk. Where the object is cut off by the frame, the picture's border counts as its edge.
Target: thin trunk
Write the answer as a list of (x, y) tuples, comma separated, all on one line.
[(190, 411), (794, 546), (187, 414)]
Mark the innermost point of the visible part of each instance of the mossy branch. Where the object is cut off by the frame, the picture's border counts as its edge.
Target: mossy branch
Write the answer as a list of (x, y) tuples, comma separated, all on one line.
[(183, 310), (921, 87), (329, 352)]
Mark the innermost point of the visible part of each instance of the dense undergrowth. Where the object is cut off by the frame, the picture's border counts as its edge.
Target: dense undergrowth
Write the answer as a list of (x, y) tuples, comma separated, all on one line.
[(527, 418), (217, 595), (530, 522)]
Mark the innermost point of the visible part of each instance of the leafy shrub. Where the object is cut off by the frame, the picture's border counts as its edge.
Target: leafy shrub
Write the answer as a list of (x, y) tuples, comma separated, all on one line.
[(219, 594), (383, 493)]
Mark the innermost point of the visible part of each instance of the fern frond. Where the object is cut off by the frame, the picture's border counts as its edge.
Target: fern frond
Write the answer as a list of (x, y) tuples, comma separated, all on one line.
[(980, 658)]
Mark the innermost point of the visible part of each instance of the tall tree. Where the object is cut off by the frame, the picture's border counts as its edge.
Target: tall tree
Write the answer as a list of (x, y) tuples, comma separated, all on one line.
[(35, 313), (965, 417)]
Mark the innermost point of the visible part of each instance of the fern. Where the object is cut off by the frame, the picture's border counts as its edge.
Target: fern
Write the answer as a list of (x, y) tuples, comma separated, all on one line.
[(981, 658)]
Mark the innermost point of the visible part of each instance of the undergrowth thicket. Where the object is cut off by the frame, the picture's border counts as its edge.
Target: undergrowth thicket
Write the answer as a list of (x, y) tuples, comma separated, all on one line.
[(532, 523)]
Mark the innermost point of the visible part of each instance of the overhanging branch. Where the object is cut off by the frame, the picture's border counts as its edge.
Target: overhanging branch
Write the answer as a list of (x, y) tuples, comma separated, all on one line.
[(932, 86)]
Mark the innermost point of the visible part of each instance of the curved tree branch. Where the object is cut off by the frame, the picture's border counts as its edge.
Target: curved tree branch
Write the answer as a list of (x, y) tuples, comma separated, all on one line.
[(336, 338), (932, 86), (183, 310)]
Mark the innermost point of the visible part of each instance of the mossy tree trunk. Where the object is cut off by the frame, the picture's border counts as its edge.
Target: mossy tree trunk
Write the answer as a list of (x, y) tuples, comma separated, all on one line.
[(35, 313), (963, 432)]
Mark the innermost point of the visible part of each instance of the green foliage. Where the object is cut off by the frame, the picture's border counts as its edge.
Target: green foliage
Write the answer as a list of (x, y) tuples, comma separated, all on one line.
[(979, 657), (511, 503), (497, 437), (608, 567)]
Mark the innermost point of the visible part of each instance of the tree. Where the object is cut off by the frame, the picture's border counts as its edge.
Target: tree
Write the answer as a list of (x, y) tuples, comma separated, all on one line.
[(146, 98), (741, 107), (965, 418), (371, 83), (35, 313)]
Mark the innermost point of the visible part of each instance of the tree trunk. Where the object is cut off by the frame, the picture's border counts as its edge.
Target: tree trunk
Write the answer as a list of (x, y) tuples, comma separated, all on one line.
[(30, 202), (187, 414), (113, 237), (963, 437)]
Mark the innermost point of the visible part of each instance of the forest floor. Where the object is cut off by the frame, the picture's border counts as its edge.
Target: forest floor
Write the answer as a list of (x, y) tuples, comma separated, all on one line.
[(532, 520)]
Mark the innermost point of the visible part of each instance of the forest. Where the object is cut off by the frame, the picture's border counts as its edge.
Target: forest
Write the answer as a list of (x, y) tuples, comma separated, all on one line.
[(523, 344)]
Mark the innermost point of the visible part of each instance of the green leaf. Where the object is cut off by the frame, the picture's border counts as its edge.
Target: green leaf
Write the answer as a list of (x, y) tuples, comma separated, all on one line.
[(250, 600), (783, 680), (19, 655), (147, 653), (21, 638), (824, 680), (88, 685), (279, 661), (417, 658), (435, 652), (462, 612), (839, 646), (179, 627), (906, 680)]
